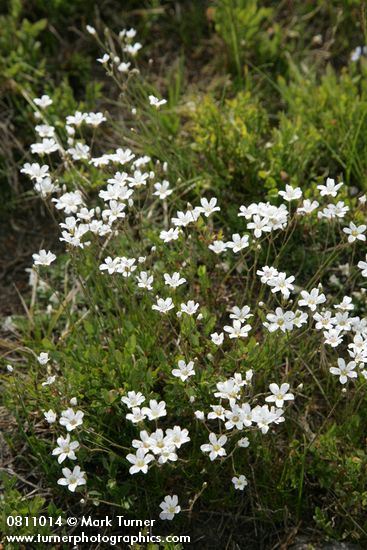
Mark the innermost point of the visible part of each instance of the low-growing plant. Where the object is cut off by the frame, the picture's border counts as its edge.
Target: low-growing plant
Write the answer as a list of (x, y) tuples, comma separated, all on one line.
[(178, 361)]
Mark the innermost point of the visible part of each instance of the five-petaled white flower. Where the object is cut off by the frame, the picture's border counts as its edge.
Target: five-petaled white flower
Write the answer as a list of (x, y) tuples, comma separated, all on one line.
[(170, 507), (65, 449), (215, 447), (279, 394), (139, 461), (217, 339), (50, 416), (290, 193), (184, 370), (133, 399), (71, 419), (190, 307), (237, 330), (312, 299), (174, 280), (355, 232), (43, 358), (43, 102), (72, 479), (239, 482), (208, 207), (344, 371), (155, 409), (43, 257), (163, 306), (330, 189), (237, 243)]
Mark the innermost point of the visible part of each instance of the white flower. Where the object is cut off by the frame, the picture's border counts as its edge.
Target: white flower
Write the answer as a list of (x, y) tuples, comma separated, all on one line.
[(217, 339), (69, 202), (169, 507), (43, 358), (190, 307), (243, 442), (308, 207), (363, 266), (263, 417), (138, 179), (79, 152), (184, 370), (35, 171), (237, 330), (291, 193), (163, 306), (218, 412), (43, 102), (281, 283), (43, 257), (50, 416), (208, 207), (344, 371), (218, 247), (333, 337), (237, 243), (279, 394), (133, 399), (122, 156), (280, 319), (65, 449), (156, 102), (71, 419), (324, 320), (239, 482), (235, 418), (240, 314), (155, 409), (330, 189), (357, 53), (50, 380), (215, 447), (162, 189), (185, 218), (124, 67), (137, 415), (259, 226), (45, 147), (133, 49), (312, 299), (174, 280), (95, 119), (45, 130), (170, 235), (103, 59), (355, 233), (178, 436), (72, 478), (139, 461), (126, 266), (199, 415), (110, 265), (114, 212), (145, 441), (346, 304), (229, 389), (267, 274), (145, 280)]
